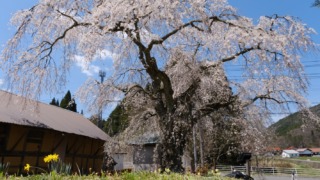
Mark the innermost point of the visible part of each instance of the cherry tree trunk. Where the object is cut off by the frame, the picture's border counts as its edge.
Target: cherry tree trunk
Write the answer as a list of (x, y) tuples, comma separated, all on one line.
[(170, 150)]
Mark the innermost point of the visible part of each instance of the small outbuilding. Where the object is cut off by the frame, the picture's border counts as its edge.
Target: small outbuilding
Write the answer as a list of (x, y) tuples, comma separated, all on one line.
[(30, 130), (140, 155), (136, 154), (289, 153), (137, 147), (143, 155)]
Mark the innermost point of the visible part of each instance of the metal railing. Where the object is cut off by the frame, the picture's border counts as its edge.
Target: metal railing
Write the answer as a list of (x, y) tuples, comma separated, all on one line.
[(312, 172)]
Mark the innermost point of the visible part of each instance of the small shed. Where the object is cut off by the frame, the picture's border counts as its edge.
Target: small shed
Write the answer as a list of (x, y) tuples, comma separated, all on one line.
[(31, 130), (289, 153), (137, 145), (144, 152), (135, 153), (139, 154), (304, 152)]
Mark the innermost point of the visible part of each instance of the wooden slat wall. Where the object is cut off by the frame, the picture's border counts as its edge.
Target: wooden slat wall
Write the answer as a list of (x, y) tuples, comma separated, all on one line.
[(19, 150)]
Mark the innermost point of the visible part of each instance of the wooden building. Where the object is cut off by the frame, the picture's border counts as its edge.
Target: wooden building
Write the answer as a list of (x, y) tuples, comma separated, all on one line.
[(31, 130)]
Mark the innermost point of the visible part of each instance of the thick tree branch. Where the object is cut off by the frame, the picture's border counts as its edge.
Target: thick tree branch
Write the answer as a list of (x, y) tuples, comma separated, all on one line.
[(242, 52), (211, 107), (268, 97), (246, 50), (192, 24), (46, 47), (159, 77), (137, 88)]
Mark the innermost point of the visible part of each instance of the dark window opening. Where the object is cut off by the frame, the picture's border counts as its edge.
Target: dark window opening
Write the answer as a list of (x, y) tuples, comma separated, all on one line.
[(143, 154), (4, 130), (35, 136)]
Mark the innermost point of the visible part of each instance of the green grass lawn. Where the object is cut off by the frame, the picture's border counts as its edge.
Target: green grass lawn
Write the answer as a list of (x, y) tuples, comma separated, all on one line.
[(312, 158), (125, 176)]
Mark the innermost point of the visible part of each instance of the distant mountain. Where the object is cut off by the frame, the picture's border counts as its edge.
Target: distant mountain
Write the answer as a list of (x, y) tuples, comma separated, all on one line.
[(292, 131)]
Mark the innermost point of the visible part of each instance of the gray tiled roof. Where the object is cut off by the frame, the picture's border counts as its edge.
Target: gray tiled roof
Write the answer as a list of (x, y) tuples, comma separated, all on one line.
[(291, 151), (15, 109), (148, 138)]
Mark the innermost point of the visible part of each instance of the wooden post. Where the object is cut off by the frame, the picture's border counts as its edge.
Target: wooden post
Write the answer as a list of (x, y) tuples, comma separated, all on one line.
[(201, 143), (248, 167), (194, 147)]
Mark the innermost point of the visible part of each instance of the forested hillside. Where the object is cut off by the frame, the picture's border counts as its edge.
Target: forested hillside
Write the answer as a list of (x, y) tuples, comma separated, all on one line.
[(293, 131)]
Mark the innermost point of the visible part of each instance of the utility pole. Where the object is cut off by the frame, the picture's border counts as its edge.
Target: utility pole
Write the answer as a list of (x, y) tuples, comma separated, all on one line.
[(102, 74)]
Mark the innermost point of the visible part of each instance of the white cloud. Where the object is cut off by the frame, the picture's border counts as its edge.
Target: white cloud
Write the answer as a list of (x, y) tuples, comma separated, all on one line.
[(104, 54), (85, 65)]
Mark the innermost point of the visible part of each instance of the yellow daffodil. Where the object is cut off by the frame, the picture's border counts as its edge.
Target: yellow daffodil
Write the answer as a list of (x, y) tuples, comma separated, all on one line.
[(27, 167), (46, 159), (51, 157), (55, 157)]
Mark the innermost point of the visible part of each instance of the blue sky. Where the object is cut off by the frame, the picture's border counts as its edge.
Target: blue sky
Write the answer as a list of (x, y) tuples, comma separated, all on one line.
[(250, 8)]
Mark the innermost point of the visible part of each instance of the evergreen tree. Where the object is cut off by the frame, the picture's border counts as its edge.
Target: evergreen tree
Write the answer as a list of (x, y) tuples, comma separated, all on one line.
[(95, 119), (54, 102), (117, 121), (72, 106), (68, 103), (65, 101)]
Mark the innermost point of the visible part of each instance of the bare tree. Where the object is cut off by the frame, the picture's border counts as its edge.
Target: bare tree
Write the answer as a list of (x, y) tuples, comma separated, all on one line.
[(173, 51), (316, 3)]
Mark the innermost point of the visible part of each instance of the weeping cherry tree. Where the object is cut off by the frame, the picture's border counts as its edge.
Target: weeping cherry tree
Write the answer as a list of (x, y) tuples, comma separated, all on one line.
[(175, 52)]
